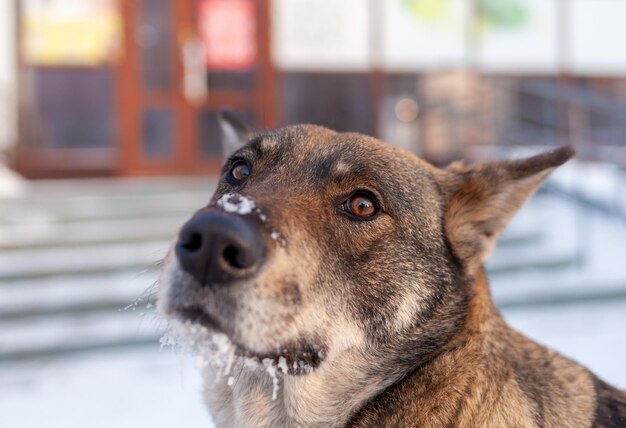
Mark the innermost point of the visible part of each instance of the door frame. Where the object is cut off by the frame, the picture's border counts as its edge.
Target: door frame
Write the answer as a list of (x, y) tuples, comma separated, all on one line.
[(133, 99)]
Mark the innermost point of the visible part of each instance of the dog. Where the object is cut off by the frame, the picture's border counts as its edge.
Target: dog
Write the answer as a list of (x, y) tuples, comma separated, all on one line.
[(335, 280)]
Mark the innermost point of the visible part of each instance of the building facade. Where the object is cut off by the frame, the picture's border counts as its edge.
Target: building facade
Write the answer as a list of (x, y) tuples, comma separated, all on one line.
[(111, 87)]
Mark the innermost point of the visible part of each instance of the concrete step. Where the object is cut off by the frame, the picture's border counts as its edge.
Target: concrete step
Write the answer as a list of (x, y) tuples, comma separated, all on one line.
[(91, 208), (20, 299), (48, 336), (598, 186), (92, 259), (546, 294), (521, 236), (507, 261), (542, 237), (40, 318), (594, 280), (61, 234), (132, 186), (78, 260)]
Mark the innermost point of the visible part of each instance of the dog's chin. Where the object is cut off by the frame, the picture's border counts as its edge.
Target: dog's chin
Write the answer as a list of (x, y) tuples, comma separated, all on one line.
[(296, 358)]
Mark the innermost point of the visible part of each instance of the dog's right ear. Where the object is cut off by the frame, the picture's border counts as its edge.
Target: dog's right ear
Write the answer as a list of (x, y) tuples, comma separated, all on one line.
[(481, 199), (235, 133)]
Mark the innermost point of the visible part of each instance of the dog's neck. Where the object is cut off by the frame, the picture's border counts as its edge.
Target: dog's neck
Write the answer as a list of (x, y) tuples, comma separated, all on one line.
[(332, 395), (486, 377), (436, 390)]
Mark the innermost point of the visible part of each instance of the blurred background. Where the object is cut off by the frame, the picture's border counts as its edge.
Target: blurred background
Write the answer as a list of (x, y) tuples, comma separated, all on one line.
[(109, 140)]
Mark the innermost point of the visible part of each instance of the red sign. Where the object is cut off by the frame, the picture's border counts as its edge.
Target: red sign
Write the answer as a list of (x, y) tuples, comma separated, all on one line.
[(228, 32)]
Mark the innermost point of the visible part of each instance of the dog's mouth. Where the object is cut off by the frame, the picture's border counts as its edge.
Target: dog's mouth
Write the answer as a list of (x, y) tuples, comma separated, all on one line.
[(197, 315), (296, 358)]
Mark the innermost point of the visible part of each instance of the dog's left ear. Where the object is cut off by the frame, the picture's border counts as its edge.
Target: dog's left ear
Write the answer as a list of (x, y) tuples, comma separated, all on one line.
[(235, 133), (483, 198)]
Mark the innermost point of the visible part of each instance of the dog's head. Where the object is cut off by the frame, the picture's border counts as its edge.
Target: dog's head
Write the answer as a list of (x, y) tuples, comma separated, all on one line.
[(317, 242)]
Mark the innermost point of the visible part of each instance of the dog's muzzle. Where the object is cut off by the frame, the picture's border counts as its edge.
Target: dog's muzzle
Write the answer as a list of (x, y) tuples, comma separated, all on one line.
[(220, 248)]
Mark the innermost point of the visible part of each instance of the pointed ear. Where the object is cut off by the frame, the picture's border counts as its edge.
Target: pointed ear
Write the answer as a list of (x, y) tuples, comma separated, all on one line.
[(483, 198), (235, 133)]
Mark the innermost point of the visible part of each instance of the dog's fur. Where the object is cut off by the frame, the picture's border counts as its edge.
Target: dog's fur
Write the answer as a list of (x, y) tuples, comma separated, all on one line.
[(396, 310)]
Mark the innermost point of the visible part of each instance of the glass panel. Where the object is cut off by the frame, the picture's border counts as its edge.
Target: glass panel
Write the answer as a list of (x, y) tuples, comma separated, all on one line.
[(232, 80), (73, 108), (157, 125), (49, 30), (228, 33), (155, 38), (210, 135), (339, 101)]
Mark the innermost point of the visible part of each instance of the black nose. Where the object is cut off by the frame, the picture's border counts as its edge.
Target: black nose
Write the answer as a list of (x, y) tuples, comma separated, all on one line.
[(219, 248)]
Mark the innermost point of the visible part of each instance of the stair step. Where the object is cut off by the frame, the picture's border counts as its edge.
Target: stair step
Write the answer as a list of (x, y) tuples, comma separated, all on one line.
[(30, 211), (130, 186), (591, 281), (55, 234), (507, 261), (520, 237), (74, 294), (561, 296), (47, 336), (75, 254), (42, 263)]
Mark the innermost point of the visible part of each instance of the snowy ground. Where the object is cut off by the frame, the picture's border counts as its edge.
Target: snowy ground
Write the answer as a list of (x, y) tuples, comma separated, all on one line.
[(140, 388), (162, 389)]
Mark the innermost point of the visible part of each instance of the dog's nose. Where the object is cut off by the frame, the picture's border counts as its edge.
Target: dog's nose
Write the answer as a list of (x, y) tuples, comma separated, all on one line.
[(219, 248)]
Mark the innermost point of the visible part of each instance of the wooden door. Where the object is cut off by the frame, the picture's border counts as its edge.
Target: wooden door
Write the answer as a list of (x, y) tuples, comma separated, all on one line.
[(166, 129)]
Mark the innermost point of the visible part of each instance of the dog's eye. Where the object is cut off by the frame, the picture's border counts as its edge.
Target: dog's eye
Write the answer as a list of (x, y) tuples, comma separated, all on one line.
[(361, 205), (240, 171)]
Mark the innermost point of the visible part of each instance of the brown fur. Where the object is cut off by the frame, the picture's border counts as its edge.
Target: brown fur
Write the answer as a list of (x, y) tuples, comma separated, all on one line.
[(483, 379), (396, 310)]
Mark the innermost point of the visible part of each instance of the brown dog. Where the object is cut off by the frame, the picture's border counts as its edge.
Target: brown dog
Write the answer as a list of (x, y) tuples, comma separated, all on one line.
[(351, 271)]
